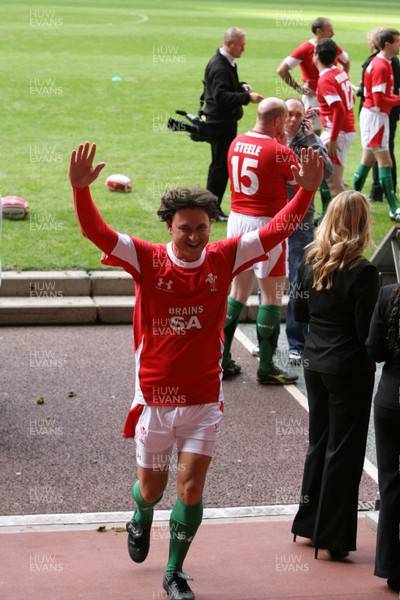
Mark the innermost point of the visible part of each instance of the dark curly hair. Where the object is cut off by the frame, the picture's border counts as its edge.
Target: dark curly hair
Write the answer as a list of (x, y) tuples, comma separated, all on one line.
[(174, 200), (393, 329), (326, 49)]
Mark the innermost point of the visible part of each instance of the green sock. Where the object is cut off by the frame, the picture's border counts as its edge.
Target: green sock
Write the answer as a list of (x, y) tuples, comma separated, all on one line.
[(232, 319), (183, 524), (268, 325), (144, 511), (325, 195), (386, 181), (360, 176)]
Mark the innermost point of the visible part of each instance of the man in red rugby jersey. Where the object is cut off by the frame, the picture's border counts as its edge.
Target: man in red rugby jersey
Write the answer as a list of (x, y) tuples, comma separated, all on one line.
[(336, 99), (322, 28), (259, 164), (374, 117), (181, 291)]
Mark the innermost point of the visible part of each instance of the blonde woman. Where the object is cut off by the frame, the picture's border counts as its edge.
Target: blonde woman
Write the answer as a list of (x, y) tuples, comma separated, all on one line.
[(337, 291)]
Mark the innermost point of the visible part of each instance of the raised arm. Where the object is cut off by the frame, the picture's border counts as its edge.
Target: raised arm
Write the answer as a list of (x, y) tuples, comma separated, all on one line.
[(254, 245), (82, 174), (81, 171), (309, 178)]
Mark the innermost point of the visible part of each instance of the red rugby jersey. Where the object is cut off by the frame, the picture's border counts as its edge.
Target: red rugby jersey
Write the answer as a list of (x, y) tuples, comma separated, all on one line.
[(180, 307), (378, 85), (336, 99), (259, 169), (303, 56)]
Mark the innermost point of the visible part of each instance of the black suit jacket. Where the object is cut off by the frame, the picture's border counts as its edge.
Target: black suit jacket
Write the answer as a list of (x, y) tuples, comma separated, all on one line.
[(388, 393), (223, 92), (338, 318)]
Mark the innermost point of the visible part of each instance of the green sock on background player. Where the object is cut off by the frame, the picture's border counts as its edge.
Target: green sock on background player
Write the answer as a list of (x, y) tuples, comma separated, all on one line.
[(183, 524), (268, 326), (144, 511), (360, 177), (326, 196), (386, 181), (233, 312)]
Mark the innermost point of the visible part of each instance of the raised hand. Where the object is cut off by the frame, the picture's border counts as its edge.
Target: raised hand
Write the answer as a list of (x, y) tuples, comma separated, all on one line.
[(311, 171), (81, 171)]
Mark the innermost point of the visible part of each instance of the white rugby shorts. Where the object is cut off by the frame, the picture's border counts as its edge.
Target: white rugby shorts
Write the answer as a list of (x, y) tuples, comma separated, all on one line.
[(193, 428), (344, 142), (374, 128), (309, 103), (237, 224)]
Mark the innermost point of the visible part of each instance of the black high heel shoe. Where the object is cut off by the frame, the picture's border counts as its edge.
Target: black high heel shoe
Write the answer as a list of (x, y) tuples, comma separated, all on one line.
[(394, 584), (338, 554), (334, 554), (294, 537)]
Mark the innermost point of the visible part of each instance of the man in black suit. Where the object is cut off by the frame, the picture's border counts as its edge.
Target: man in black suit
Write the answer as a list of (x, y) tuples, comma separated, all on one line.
[(224, 97)]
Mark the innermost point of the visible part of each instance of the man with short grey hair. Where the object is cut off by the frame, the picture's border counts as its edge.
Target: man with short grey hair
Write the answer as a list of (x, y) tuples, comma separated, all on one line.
[(224, 97)]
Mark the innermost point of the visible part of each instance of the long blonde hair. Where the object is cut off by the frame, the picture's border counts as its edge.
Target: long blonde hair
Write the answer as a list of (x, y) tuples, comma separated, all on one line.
[(344, 233)]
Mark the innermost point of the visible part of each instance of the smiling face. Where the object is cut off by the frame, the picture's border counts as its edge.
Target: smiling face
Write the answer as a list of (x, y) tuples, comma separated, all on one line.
[(190, 231)]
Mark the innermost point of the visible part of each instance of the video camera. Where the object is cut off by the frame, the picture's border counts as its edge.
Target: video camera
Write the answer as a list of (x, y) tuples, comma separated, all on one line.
[(196, 129)]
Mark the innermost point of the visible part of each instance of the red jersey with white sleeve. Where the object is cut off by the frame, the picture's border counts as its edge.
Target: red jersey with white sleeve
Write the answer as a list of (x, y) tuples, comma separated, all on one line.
[(303, 56), (259, 169), (180, 306), (378, 85), (336, 99)]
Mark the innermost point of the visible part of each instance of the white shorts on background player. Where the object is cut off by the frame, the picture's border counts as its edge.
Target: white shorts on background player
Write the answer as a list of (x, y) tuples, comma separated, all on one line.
[(193, 428), (344, 142), (374, 128), (239, 223), (311, 102)]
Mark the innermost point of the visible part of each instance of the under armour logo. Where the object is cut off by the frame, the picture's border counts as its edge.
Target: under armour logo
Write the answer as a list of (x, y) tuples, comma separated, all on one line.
[(164, 284)]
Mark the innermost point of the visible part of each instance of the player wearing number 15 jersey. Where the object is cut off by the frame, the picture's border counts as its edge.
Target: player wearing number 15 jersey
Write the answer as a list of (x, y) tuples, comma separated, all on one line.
[(259, 169), (336, 99)]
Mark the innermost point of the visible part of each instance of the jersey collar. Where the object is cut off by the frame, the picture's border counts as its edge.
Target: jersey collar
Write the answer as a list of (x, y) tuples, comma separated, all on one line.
[(184, 264), (380, 55), (327, 69), (257, 134)]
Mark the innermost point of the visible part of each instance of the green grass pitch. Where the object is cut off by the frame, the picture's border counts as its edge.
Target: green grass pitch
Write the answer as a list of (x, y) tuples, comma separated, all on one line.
[(59, 58)]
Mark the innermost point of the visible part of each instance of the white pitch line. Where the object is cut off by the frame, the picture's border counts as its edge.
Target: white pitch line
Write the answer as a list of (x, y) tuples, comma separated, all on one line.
[(244, 340), (298, 395)]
